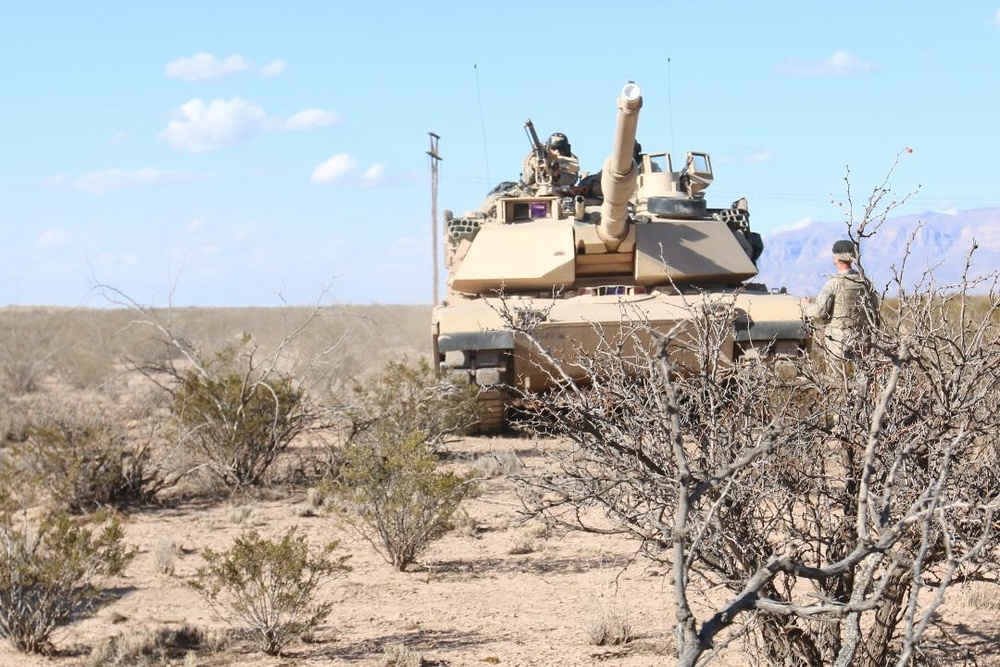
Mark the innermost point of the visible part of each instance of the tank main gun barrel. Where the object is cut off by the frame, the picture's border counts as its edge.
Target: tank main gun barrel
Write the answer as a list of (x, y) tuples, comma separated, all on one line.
[(620, 171)]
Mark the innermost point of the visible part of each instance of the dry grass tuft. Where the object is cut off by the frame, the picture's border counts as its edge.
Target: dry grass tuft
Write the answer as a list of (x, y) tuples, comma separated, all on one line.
[(162, 646), (981, 595), (610, 626), (496, 464), (399, 655), (165, 553)]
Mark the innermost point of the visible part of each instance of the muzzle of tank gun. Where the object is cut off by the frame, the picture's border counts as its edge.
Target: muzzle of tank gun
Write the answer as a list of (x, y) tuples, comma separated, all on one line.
[(620, 171)]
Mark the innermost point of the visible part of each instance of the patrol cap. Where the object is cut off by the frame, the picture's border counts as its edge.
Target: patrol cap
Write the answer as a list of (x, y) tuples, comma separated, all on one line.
[(845, 251)]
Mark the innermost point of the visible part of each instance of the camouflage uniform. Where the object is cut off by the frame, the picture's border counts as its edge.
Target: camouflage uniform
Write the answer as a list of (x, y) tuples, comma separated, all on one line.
[(849, 306)]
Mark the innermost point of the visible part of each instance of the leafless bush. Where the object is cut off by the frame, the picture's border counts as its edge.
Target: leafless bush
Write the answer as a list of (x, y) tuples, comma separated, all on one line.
[(26, 353), (236, 406), (837, 508)]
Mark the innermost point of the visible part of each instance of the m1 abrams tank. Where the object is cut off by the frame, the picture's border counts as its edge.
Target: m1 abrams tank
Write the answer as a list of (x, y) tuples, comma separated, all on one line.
[(584, 258)]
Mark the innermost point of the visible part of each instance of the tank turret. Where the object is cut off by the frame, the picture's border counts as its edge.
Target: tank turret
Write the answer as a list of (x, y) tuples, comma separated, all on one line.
[(574, 258), (618, 177)]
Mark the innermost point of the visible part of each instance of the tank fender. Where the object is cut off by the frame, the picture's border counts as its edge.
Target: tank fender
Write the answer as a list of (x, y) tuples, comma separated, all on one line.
[(476, 340)]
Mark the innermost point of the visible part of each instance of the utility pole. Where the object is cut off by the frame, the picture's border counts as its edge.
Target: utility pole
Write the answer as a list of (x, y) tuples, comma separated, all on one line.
[(435, 158)]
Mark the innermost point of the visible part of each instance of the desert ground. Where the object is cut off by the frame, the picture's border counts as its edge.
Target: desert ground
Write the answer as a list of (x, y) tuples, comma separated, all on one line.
[(499, 588)]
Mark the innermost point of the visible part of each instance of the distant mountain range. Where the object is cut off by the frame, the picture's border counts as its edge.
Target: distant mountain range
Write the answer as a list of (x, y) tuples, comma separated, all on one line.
[(800, 259)]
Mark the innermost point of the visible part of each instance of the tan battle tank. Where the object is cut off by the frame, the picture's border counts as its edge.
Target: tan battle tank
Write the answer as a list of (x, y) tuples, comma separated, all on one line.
[(584, 257)]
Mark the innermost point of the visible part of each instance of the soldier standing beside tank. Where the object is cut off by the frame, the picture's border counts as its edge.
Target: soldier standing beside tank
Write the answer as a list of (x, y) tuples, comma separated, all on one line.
[(847, 304)]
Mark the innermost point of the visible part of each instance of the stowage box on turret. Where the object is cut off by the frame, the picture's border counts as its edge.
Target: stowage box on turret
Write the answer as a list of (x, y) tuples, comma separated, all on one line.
[(580, 254)]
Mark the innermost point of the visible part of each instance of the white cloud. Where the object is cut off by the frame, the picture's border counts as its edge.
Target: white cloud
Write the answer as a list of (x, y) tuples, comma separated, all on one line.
[(273, 69), (110, 180), (373, 175), (310, 119), (841, 63), (205, 66), (196, 225), (122, 137), (335, 169), (52, 238), (199, 127), (996, 17), (951, 210), (343, 168)]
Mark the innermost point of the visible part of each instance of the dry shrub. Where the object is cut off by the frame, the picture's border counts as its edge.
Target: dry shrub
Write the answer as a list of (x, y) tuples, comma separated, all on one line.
[(26, 352), (86, 461), (406, 399)]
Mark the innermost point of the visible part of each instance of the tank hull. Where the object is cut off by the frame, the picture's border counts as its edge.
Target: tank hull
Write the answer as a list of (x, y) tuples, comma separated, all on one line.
[(519, 345)]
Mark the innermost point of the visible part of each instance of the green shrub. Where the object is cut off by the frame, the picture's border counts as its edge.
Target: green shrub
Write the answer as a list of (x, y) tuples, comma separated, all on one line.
[(406, 399), (88, 462), (269, 586), (51, 572), (395, 497), (237, 418)]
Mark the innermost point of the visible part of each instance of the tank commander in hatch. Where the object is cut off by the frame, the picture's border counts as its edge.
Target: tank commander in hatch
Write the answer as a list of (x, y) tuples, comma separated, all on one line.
[(563, 167), (847, 304)]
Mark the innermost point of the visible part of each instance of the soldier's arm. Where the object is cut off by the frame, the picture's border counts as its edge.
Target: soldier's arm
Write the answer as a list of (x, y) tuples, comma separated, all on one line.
[(822, 307)]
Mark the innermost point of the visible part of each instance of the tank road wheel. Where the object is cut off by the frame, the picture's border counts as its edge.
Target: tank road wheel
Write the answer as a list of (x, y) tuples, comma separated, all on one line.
[(492, 410)]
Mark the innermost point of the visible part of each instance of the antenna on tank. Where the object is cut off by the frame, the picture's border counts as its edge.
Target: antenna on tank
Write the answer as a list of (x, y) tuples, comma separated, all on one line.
[(482, 126), (670, 109)]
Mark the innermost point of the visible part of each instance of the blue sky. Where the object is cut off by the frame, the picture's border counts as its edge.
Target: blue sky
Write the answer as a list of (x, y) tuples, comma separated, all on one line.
[(245, 153)]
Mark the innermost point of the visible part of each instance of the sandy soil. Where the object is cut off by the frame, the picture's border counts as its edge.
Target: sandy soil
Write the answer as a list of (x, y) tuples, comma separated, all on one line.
[(472, 600)]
